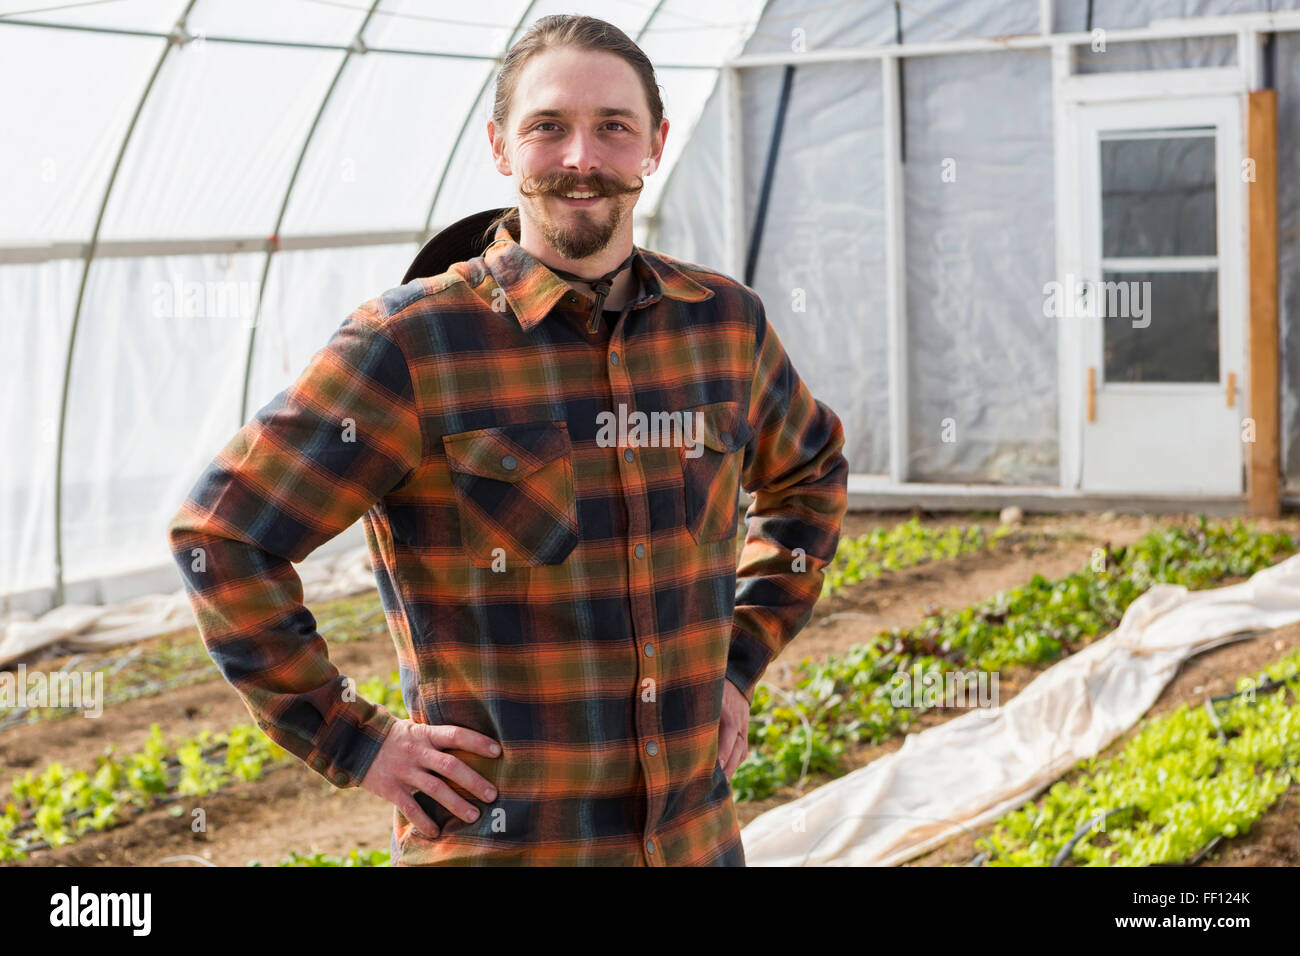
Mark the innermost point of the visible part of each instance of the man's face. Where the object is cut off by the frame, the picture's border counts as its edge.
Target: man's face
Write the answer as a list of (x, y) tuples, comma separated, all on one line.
[(579, 123)]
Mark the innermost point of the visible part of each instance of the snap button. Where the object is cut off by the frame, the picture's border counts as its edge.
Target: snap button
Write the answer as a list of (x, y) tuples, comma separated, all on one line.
[(650, 847), (340, 779), (509, 463), (649, 650), (629, 455), (613, 358), (640, 550), (652, 748)]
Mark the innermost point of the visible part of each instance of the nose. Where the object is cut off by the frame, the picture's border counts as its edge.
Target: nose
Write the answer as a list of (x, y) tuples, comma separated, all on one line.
[(580, 152)]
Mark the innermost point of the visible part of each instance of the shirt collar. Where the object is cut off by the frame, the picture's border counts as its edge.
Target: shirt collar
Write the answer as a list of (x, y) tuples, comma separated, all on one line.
[(531, 289)]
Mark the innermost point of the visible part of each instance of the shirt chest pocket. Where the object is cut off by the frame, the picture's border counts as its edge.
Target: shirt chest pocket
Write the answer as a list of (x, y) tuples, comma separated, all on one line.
[(514, 494), (711, 469)]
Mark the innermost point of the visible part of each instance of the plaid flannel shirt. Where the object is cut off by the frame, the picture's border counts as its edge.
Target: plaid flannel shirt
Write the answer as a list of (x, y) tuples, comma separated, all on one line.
[(563, 588)]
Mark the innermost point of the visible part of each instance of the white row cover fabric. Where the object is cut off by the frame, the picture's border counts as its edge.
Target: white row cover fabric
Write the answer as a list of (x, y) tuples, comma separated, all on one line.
[(977, 767)]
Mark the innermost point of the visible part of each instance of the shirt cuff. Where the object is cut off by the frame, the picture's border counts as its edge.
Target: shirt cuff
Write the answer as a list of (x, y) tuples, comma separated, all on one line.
[(747, 659), (346, 746)]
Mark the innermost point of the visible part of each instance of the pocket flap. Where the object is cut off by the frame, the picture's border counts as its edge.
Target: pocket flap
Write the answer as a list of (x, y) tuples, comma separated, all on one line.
[(724, 427), (507, 452)]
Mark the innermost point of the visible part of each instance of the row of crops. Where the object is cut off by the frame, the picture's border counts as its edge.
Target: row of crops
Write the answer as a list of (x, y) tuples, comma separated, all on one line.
[(905, 545), (59, 806), (846, 700), (837, 704), (1182, 784)]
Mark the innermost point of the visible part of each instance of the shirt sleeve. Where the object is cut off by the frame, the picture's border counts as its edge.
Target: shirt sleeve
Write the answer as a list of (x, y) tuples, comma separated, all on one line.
[(795, 470), (302, 470)]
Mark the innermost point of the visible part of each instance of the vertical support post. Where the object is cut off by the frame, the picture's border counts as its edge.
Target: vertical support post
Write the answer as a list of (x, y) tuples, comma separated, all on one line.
[(178, 38), (1069, 339), (1249, 58), (895, 269), (733, 171), (1263, 470)]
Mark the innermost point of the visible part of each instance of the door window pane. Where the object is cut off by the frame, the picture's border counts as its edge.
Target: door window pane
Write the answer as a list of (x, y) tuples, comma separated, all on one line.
[(1160, 326), (1157, 195)]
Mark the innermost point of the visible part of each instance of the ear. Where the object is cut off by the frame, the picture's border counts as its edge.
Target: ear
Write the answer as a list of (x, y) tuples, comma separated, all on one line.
[(651, 162), (500, 157)]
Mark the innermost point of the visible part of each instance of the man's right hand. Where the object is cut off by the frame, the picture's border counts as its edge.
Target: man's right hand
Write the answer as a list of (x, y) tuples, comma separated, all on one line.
[(413, 758)]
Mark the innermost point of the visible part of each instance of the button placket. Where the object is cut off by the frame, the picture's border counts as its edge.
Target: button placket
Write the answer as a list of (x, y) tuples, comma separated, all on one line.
[(649, 728)]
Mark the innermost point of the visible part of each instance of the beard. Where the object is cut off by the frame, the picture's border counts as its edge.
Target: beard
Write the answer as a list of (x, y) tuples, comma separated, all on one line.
[(577, 233), (582, 232)]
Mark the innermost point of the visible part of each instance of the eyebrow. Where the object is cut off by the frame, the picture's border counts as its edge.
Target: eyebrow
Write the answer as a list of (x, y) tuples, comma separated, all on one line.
[(603, 111)]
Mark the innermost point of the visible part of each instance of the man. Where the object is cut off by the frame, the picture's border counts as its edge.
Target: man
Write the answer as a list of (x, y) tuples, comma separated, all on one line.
[(561, 581)]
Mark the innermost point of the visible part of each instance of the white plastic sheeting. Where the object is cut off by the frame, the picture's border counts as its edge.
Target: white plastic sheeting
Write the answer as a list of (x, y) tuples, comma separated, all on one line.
[(217, 141), (979, 250), (88, 627), (822, 247), (821, 25), (300, 309), (980, 239), (145, 413), (940, 20), (60, 138), (339, 190), (973, 769), (1071, 15), (31, 374), (822, 258), (873, 23)]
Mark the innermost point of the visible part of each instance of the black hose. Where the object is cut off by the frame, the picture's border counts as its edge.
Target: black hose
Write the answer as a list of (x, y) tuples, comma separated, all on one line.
[(1079, 834)]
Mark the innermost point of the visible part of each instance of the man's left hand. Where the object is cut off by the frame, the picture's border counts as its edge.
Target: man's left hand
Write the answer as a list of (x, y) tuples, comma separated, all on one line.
[(733, 729)]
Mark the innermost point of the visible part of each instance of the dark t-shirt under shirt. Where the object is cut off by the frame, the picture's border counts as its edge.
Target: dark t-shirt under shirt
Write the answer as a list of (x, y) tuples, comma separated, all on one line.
[(611, 315)]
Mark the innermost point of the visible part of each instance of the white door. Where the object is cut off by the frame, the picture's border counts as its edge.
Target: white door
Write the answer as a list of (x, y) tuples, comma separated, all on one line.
[(1160, 300)]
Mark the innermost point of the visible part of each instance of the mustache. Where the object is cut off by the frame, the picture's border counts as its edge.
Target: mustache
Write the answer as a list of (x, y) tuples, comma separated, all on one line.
[(560, 183)]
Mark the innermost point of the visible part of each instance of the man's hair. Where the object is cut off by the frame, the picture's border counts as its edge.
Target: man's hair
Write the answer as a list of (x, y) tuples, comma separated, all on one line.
[(559, 30)]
